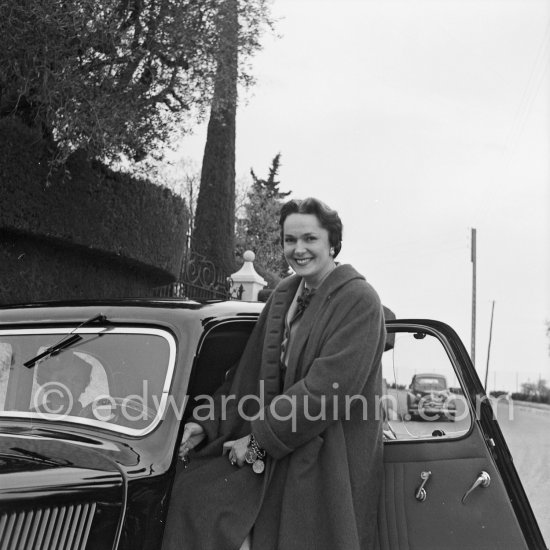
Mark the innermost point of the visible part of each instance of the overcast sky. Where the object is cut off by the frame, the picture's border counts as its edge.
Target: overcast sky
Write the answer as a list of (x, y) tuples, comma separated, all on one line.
[(418, 120)]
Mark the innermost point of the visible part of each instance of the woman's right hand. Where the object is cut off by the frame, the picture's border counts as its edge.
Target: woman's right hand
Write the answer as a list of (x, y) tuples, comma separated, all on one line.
[(193, 434)]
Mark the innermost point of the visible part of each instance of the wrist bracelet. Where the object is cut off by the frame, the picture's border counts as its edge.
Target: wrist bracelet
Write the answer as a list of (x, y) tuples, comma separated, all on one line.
[(255, 455), (253, 444)]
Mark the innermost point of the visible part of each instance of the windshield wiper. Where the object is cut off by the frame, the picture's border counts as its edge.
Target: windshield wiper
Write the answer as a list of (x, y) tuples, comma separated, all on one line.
[(65, 342)]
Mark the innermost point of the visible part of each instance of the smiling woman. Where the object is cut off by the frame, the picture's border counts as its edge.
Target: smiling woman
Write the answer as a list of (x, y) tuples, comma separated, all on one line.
[(263, 470)]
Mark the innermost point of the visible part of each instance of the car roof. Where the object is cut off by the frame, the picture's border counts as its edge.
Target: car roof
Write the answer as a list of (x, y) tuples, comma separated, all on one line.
[(124, 309)]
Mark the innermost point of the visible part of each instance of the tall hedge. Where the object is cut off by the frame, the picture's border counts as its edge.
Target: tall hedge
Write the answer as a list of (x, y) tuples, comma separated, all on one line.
[(85, 214)]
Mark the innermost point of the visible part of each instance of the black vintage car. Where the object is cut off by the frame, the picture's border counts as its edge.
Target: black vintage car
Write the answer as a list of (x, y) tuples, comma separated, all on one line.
[(429, 397), (93, 398)]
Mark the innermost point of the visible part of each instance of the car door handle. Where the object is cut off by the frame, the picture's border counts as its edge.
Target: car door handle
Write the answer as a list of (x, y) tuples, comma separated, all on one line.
[(420, 494), (483, 480)]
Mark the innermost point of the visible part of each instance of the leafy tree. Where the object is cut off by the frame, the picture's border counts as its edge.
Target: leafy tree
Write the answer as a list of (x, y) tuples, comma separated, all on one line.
[(259, 230), (115, 76), (538, 392), (529, 389)]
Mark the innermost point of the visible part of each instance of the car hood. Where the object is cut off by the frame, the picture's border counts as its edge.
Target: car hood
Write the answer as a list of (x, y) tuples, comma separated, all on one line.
[(31, 468)]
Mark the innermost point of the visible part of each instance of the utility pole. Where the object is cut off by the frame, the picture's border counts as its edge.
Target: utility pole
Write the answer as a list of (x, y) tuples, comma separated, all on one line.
[(489, 347), (473, 258)]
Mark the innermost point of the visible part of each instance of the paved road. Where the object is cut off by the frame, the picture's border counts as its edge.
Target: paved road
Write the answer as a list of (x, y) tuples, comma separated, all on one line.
[(528, 436)]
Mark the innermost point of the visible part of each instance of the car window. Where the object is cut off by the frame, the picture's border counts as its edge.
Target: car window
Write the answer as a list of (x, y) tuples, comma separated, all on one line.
[(114, 378), (429, 383), (423, 395)]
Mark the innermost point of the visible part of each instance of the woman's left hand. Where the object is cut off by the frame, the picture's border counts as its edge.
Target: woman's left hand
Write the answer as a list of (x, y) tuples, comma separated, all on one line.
[(237, 450)]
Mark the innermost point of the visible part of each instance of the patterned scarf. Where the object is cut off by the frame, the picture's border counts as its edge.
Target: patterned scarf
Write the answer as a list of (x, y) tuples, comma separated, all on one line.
[(303, 300)]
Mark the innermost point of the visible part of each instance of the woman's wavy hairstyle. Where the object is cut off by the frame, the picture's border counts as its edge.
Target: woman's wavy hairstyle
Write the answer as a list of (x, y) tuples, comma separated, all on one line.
[(328, 218)]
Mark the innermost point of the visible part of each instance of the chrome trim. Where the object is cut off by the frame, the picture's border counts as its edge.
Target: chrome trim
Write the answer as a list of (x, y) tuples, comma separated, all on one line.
[(97, 423), (103, 445), (55, 528)]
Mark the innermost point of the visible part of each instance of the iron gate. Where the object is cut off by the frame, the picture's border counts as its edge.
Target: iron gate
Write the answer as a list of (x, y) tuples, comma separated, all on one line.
[(200, 280)]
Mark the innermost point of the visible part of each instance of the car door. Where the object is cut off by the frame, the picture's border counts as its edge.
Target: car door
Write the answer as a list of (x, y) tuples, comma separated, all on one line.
[(449, 480)]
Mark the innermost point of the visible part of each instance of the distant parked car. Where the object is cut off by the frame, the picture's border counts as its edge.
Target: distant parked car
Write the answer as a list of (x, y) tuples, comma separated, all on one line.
[(429, 398)]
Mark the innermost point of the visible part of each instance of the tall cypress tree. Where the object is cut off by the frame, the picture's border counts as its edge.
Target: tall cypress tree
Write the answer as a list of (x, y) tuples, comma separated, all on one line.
[(214, 234)]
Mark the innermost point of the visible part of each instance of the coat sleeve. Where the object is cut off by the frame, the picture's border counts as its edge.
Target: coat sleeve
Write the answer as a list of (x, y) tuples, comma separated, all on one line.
[(350, 351)]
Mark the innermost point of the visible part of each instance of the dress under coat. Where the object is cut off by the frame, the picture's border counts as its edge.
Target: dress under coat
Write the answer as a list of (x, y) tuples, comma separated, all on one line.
[(319, 422)]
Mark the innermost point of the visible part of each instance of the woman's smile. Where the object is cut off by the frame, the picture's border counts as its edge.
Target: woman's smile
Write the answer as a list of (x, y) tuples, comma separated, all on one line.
[(302, 261)]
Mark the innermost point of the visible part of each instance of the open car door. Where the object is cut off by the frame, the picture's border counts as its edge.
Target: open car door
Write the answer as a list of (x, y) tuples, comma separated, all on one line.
[(449, 478)]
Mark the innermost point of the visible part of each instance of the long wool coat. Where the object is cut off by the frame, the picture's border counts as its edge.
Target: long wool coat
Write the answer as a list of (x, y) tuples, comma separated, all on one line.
[(319, 423)]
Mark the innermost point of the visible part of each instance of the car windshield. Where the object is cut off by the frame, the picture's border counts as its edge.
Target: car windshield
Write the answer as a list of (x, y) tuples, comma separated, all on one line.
[(110, 378), (429, 384)]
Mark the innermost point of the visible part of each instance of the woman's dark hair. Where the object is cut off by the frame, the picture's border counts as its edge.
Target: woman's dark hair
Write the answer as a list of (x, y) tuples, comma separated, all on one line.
[(328, 218)]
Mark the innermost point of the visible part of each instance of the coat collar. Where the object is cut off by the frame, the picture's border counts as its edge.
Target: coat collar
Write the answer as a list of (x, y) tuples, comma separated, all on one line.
[(282, 298), (271, 353), (339, 276)]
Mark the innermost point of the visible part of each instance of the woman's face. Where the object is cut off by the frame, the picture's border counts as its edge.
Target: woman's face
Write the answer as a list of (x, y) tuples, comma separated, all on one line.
[(306, 247)]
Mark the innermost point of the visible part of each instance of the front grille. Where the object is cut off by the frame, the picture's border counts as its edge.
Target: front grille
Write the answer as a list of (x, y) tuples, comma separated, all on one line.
[(55, 528)]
